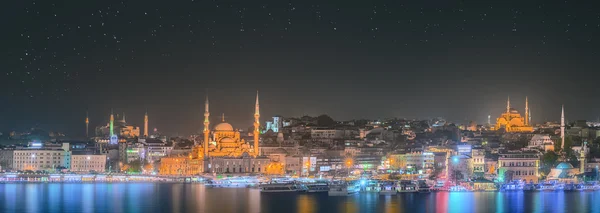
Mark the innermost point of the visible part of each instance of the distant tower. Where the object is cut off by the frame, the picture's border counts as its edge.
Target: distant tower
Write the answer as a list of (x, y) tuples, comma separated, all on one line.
[(562, 129), (529, 117), (146, 124), (124, 117), (526, 112), (112, 121), (582, 157), (206, 128), (87, 124), (256, 125), (489, 120)]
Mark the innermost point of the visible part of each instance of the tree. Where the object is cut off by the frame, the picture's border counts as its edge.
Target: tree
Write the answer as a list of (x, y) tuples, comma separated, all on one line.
[(325, 120), (549, 159)]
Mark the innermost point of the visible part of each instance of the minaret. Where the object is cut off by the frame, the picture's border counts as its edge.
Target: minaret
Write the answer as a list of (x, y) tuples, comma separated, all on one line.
[(508, 106), (112, 121), (526, 112), (87, 124), (256, 125), (206, 128), (582, 157), (562, 129), (529, 122), (146, 124), (124, 117)]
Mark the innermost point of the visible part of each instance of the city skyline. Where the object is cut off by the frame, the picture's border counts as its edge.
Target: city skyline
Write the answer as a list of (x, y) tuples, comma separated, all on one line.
[(94, 122)]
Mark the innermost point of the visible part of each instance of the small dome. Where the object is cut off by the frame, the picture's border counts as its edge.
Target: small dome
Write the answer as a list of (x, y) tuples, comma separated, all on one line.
[(564, 165), (224, 127), (227, 140), (513, 111)]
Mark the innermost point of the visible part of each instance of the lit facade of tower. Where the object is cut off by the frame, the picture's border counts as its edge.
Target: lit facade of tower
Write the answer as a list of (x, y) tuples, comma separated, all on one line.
[(256, 125), (529, 117), (146, 124), (582, 157), (562, 129), (111, 125), (206, 127), (526, 112), (87, 124)]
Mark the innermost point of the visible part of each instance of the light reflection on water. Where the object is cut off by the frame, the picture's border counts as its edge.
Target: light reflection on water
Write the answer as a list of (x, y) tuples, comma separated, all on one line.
[(166, 197)]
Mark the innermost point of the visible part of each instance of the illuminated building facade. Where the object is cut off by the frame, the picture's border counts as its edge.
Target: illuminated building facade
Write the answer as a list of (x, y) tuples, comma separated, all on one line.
[(519, 166), (87, 163), (512, 121), (180, 165)]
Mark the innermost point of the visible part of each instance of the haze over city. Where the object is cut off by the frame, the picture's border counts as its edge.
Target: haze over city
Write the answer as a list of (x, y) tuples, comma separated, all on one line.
[(349, 60)]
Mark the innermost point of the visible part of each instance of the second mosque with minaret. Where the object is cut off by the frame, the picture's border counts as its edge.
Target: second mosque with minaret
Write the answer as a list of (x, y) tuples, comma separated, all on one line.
[(512, 121)]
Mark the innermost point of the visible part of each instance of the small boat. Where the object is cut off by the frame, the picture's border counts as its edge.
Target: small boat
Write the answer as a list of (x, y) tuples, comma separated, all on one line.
[(343, 189), (281, 187), (423, 187), (549, 186), (458, 189), (407, 186), (317, 187), (388, 188)]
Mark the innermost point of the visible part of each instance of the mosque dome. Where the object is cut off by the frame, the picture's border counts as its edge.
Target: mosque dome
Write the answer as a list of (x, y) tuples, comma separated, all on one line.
[(564, 165), (224, 127), (513, 111)]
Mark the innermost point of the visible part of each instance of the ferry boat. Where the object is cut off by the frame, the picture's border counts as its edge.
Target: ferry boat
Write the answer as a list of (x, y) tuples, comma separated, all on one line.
[(587, 186), (317, 187), (407, 186), (281, 187), (388, 188), (422, 186), (570, 187), (343, 189), (512, 186), (529, 187), (458, 188), (549, 186)]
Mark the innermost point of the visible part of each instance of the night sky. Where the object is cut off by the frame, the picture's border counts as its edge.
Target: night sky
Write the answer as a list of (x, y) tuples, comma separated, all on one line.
[(349, 59)]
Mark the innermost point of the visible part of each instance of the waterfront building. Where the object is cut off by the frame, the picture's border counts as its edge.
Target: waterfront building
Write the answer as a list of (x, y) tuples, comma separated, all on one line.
[(522, 165), (82, 162), (40, 159), (180, 165), (511, 120), (413, 162), (6, 159), (459, 167), (541, 142), (156, 149), (478, 156)]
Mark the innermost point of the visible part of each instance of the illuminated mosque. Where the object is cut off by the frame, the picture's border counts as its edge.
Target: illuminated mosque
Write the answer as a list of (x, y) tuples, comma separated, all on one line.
[(511, 120), (222, 151)]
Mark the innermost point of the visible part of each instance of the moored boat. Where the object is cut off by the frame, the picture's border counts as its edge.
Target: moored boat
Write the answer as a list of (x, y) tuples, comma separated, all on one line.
[(281, 187), (343, 189), (407, 186), (317, 187)]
